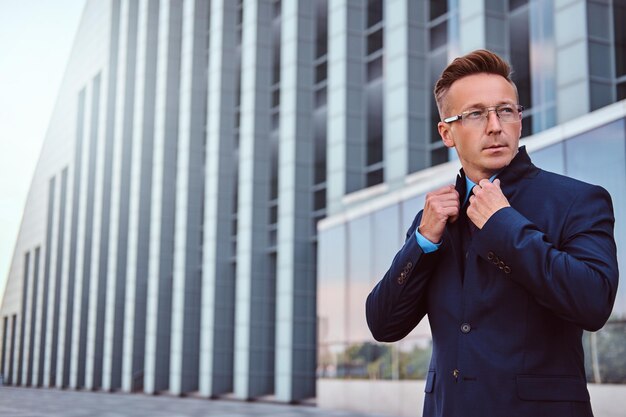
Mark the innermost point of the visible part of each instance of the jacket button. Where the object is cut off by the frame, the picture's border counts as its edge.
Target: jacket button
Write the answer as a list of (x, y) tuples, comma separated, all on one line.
[(466, 328), (490, 255), (507, 270), (409, 265)]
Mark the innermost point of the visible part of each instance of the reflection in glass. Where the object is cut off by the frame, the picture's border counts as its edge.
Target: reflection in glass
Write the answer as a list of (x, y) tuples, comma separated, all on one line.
[(520, 54), (359, 276), (438, 8), (331, 285), (621, 91), (322, 28), (619, 17), (374, 12), (599, 157), (374, 93), (387, 240)]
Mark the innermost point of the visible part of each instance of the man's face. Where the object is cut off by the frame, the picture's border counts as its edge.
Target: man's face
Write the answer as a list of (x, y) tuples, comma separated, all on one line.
[(488, 146)]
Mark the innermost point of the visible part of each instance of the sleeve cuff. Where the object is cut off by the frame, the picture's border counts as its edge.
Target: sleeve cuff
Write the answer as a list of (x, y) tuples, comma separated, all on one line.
[(426, 245)]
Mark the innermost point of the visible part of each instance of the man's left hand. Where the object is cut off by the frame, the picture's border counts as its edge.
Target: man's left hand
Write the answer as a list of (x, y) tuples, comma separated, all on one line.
[(487, 198)]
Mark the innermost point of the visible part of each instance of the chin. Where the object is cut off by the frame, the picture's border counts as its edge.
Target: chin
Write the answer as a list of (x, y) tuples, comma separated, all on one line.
[(496, 164)]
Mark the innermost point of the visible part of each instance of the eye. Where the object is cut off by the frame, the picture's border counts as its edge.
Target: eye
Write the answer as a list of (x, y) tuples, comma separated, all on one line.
[(506, 109), (474, 114)]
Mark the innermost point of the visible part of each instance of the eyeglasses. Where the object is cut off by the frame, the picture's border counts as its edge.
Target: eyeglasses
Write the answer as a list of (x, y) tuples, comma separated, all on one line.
[(507, 113)]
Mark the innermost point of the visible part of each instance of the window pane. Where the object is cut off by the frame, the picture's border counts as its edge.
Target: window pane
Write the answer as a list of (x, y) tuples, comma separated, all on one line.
[(374, 123), (619, 17), (375, 69), (599, 157), (374, 12), (439, 35), (387, 239), (520, 56), (439, 156), (320, 72), (360, 277), (322, 28), (375, 41), (621, 91), (437, 8), (375, 177), (332, 281), (514, 4)]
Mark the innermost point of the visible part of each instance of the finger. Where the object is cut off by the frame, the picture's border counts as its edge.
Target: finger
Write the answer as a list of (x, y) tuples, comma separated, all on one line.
[(443, 190), (483, 183), (496, 182), (443, 199)]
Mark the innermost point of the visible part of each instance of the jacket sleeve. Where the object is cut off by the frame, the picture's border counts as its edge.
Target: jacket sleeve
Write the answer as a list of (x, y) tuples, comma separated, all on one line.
[(398, 302), (576, 277)]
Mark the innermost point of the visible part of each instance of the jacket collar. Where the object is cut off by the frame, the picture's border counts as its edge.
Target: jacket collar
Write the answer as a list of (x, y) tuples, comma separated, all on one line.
[(520, 167)]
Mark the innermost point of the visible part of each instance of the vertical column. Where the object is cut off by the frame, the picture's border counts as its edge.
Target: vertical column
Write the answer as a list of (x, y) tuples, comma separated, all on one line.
[(572, 81), (159, 298), (69, 270), (90, 299), (42, 296), (295, 293), (23, 354), (57, 370), (84, 238), (542, 65), (184, 355), (102, 211), (216, 344), (482, 24), (50, 368), (407, 94), (5, 335), (472, 31), (120, 177), (11, 379), (140, 197), (346, 100), (49, 284), (255, 286), (34, 297)]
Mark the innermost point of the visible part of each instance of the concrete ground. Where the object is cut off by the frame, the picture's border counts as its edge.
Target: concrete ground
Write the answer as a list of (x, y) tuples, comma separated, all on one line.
[(44, 402), (607, 401)]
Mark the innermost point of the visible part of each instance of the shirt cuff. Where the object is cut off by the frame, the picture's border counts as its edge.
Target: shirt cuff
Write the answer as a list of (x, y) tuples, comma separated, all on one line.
[(426, 245)]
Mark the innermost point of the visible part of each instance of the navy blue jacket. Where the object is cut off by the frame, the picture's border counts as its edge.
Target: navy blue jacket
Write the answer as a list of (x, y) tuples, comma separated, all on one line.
[(508, 305)]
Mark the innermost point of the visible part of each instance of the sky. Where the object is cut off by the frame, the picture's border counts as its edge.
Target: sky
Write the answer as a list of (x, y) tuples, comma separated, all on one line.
[(36, 38)]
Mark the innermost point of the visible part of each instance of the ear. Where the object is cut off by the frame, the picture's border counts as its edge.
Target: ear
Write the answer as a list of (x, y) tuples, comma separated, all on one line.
[(446, 134)]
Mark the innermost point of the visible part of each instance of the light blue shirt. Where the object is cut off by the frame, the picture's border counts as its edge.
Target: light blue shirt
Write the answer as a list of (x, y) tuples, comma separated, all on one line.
[(428, 246)]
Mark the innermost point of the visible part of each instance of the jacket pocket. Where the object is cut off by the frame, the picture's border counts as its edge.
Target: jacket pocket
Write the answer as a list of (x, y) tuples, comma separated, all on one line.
[(430, 382), (552, 388)]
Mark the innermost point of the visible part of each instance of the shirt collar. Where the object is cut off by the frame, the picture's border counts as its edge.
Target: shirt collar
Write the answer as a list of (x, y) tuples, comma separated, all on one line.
[(469, 184)]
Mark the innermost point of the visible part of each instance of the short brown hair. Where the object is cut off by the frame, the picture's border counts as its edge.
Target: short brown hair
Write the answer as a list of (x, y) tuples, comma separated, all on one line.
[(476, 62)]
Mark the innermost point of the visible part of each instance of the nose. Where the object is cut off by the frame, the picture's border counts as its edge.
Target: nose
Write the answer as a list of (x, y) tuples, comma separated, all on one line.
[(494, 125)]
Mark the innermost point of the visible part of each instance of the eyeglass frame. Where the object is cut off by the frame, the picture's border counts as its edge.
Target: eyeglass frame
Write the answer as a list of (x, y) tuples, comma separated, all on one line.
[(460, 117)]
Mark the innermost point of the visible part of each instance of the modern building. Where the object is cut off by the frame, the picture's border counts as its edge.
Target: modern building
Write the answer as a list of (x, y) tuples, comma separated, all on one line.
[(171, 234)]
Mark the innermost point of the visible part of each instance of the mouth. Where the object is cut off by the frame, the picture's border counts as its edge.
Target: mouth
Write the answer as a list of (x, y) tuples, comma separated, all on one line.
[(494, 147)]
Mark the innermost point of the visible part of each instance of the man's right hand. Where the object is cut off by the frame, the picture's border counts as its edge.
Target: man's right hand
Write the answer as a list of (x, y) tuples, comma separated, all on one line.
[(441, 206)]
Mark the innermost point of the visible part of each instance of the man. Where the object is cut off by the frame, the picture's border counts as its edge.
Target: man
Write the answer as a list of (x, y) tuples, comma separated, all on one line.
[(510, 265)]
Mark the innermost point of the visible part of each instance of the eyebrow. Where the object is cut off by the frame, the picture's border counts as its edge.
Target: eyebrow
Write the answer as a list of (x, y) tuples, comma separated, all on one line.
[(483, 105)]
